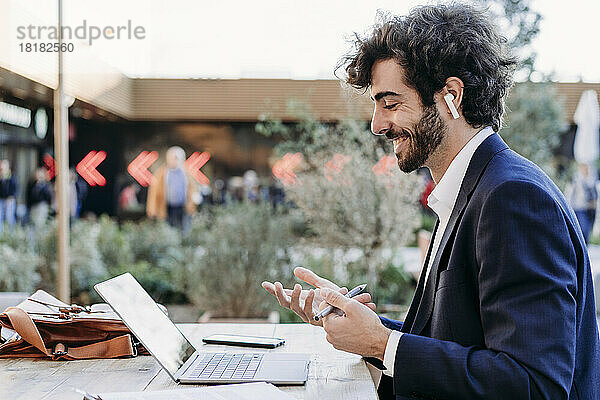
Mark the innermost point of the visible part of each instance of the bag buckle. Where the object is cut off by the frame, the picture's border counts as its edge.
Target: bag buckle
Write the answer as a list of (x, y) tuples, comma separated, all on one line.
[(59, 350), (74, 309), (134, 345), (64, 316)]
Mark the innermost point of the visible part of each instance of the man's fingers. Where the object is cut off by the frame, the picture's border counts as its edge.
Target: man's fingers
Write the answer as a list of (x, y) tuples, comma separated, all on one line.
[(308, 306), (283, 299), (313, 279), (323, 305), (337, 299), (292, 299), (363, 298), (269, 287), (295, 302)]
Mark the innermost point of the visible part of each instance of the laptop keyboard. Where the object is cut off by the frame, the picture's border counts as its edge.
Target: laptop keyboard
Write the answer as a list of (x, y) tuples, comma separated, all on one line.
[(226, 366)]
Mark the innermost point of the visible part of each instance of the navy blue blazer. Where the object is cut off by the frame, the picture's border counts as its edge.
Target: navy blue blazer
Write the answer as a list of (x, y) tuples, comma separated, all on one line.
[(508, 310)]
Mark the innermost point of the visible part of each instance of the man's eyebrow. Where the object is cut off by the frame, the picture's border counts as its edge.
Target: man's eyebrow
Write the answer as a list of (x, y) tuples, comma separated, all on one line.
[(381, 95)]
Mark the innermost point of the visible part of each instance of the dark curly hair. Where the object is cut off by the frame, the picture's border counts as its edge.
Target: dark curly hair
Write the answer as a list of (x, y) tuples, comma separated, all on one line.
[(434, 43)]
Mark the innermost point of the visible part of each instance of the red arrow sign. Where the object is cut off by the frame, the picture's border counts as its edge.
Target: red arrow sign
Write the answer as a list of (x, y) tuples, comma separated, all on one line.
[(87, 168), (335, 166), (385, 166), (50, 167), (138, 168), (283, 169), (194, 163)]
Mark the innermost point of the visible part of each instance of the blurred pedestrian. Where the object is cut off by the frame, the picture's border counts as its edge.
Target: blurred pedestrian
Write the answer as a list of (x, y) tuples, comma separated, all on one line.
[(276, 192), (39, 197), (8, 195), (81, 191), (171, 194), (128, 199), (251, 186), (72, 198), (235, 190), (205, 195), (582, 196), (219, 193)]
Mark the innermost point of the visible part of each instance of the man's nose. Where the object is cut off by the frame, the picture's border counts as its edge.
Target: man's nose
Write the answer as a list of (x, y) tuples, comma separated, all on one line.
[(379, 123)]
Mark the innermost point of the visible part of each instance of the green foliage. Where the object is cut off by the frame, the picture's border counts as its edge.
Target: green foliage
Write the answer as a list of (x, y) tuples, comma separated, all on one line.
[(18, 271), (18, 262), (16, 238), (287, 316), (394, 285), (520, 24), (44, 243), (151, 251), (244, 244), (151, 240), (199, 226), (322, 264), (113, 244), (158, 282), (87, 265), (228, 251), (534, 123), (428, 221)]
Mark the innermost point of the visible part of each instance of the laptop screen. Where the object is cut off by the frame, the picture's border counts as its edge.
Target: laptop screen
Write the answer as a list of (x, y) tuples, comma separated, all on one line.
[(147, 321)]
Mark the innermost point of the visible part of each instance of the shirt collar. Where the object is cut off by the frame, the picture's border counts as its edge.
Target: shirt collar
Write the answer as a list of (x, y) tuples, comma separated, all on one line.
[(442, 198)]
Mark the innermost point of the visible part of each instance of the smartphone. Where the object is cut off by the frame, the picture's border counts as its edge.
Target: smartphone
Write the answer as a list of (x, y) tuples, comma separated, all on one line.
[(245, 341)]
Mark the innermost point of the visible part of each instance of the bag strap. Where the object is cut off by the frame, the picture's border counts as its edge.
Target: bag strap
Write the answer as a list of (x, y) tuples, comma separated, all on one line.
[(120, 346), (22, 323)]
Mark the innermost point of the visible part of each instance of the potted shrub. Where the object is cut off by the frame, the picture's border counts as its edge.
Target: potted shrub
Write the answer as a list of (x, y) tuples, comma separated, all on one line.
[(242, 245)]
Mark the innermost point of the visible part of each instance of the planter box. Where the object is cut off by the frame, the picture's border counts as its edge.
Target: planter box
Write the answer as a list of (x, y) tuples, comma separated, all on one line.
[(211, 316)]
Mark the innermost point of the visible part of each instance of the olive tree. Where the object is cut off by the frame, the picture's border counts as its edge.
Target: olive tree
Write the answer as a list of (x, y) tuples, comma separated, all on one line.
[(534, 123)]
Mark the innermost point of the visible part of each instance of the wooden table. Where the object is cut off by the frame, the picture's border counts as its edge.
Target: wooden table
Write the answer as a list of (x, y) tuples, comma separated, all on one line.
[(332, 375)]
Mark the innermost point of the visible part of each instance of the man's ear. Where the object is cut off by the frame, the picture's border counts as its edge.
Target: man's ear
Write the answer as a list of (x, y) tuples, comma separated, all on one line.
[(453, 94)]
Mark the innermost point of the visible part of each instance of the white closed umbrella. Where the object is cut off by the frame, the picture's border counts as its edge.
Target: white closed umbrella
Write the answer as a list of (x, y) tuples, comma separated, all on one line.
[(587, 118), (586, 148)]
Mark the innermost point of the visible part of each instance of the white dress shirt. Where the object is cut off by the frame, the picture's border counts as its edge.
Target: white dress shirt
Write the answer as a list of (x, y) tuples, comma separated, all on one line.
[(441, 201)]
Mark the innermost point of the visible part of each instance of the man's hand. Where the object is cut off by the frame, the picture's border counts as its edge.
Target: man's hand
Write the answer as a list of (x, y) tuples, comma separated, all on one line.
[(359, 331), (305, 302)]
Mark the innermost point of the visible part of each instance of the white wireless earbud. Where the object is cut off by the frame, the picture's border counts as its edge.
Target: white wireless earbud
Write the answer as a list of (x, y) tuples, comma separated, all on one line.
[(448, 99)]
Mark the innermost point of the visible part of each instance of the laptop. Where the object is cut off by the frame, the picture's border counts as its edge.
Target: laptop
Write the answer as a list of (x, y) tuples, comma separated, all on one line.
[(176, 355)]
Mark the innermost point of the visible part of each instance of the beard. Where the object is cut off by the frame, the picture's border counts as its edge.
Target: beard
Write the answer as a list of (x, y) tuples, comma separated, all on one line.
[(426, 136)]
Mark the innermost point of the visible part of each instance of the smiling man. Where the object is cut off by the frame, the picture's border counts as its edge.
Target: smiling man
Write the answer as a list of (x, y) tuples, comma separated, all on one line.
[(504, 307)]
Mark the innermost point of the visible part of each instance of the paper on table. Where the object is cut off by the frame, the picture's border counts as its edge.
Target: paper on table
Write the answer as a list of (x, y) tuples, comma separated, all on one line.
[(244, 391)]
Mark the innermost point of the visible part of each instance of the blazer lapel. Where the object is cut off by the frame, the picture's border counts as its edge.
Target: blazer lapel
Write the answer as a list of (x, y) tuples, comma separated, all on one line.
[(414, 304), (482, 156)]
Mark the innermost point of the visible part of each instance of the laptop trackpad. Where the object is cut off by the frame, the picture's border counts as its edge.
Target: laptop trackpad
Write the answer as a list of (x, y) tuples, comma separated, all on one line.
[(284, 367)]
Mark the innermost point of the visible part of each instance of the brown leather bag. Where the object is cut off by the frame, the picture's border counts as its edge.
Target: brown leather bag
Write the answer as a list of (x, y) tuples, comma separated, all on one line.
[(44, 327)]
